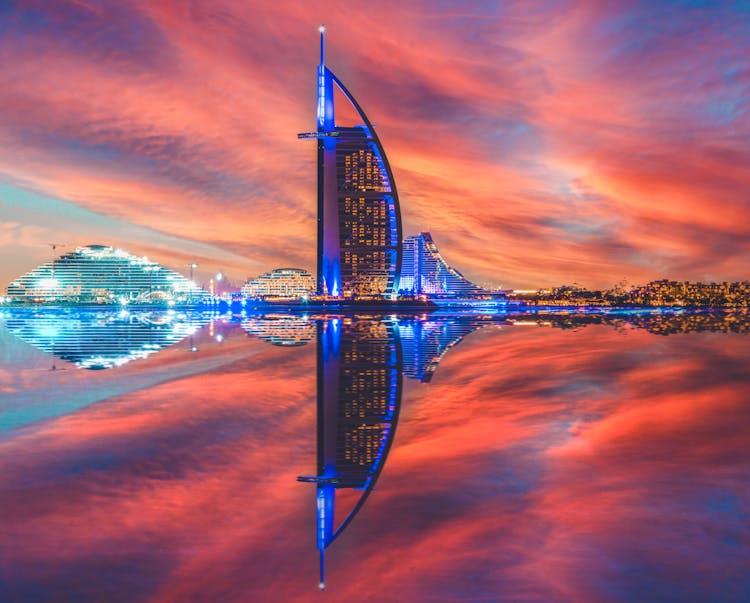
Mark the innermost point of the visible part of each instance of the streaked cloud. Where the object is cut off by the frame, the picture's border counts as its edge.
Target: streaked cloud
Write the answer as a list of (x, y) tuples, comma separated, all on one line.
[(541, 143)]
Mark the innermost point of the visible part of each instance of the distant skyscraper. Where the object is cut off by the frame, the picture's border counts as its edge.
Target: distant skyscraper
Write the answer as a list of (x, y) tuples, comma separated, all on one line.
[(359, 221), (99, 274), (424, 271)]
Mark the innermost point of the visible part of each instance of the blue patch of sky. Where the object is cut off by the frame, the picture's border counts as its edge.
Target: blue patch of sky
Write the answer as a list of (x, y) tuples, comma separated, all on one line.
[(110, 31), (651, 26), (725, 111), (27, 206), (15, 18), (708, 86), (99, 153), (583, 229), (725, 502), (170, 158), (23, 206), (509, 140)]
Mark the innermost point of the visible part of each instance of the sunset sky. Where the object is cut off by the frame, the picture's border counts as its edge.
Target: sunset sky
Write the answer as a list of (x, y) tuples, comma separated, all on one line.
[(541, 142)]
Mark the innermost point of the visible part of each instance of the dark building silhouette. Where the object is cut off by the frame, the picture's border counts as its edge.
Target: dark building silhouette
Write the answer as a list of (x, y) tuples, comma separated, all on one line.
[(359, 220)]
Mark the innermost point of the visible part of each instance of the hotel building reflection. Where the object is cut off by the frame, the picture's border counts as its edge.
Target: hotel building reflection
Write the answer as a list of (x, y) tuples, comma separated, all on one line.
[(98, 340), (359, 396), (425, 342), (282, 330)]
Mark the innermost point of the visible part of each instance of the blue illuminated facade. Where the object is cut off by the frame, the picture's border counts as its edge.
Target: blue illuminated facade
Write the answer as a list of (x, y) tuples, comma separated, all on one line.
[(424, 343), (359, 220), (101, 275), (425, 272)]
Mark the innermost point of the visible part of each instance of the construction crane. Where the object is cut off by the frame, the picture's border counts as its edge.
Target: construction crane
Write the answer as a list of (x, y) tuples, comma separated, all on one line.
[(54, 248)]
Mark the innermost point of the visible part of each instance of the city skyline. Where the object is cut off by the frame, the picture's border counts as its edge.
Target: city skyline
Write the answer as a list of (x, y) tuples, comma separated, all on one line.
[(539, 144)]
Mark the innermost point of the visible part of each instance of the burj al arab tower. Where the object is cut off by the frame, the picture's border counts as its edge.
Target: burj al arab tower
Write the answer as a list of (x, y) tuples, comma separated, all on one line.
[(359, 221)]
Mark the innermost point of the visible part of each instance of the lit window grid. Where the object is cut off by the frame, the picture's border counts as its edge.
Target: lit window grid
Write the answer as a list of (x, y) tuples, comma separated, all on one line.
[(425, 271)]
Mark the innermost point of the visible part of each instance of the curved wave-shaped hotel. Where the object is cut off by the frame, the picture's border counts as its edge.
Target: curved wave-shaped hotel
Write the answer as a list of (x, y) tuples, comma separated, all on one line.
[(359, 221), (425, 272)]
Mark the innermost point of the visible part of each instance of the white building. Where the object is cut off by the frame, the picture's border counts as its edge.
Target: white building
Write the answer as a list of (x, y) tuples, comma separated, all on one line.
[(288, 283), (98, 274)]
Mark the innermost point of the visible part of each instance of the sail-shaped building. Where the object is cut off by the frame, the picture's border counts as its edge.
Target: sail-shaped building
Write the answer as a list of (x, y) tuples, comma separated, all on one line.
[(359, 221)]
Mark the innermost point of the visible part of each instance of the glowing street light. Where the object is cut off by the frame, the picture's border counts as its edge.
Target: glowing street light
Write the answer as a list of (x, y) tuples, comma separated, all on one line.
[(215, 282), (193, 266)]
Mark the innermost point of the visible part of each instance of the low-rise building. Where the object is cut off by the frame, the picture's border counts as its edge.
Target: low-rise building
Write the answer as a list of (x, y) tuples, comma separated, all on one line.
[(286, 283)]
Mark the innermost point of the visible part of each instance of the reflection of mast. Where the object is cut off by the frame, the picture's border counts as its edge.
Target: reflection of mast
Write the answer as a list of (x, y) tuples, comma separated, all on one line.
[(54, 358), (359, 395)]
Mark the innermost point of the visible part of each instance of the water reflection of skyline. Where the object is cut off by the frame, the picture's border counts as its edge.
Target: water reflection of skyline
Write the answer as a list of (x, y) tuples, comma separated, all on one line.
[(523, 425), (98, 340), (359, 372), (361, 361), (280, 329), (101, 339)]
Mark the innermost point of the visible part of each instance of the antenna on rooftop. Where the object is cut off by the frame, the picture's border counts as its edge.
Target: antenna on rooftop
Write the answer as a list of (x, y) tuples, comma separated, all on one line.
[(322, 30)]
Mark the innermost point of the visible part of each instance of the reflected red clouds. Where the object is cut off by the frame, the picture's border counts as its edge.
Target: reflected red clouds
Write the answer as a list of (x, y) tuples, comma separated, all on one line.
[(539, 464)]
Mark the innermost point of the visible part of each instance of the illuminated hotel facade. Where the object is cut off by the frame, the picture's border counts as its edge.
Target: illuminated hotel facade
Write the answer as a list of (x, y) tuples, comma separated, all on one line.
[(97, 274), (359, 220), (425, 272), (288, 283)]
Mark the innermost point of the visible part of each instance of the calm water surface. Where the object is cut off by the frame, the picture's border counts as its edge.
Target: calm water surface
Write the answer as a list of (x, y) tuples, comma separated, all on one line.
[(154, 457)]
